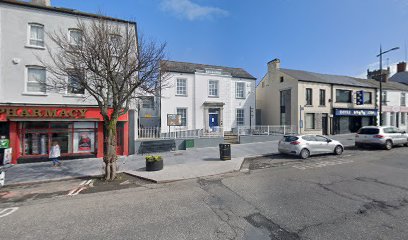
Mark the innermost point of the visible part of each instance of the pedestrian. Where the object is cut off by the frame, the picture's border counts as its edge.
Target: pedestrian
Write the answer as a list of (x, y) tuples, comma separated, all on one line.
[(55, 153)]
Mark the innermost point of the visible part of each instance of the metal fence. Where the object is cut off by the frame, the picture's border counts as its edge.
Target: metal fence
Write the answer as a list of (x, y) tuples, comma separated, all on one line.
[(155, 133), (267, 130)]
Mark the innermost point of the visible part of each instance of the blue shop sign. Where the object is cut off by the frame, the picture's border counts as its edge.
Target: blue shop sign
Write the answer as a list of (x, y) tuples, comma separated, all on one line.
[(356, 112)]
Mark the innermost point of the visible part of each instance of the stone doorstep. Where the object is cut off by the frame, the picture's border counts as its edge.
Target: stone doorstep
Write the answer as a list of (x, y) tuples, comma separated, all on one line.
[(189, 171)]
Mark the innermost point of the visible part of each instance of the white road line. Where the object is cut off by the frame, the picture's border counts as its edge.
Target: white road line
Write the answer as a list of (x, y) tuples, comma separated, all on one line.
[(81, 187), (321, 164), (7, 211)]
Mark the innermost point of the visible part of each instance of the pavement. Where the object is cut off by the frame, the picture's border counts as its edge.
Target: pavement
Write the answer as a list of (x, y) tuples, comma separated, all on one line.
[(178, 165)]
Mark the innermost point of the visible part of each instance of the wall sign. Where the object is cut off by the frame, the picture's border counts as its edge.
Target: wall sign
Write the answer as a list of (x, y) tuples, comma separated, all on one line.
[(43, 112), (356, 112), (173, 120)]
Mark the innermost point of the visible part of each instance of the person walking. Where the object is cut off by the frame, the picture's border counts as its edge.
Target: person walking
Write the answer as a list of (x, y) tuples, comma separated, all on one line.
[(55, 153)]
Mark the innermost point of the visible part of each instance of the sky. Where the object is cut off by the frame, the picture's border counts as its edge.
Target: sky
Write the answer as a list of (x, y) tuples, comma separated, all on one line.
[(326, 36)]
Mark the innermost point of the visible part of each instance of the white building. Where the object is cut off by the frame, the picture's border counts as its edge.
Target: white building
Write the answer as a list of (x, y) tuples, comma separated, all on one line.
[(394, 107), (207, 97), (31, 116)]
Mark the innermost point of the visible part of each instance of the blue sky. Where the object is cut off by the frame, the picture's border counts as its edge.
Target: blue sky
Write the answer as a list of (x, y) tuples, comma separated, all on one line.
[(326, 36)]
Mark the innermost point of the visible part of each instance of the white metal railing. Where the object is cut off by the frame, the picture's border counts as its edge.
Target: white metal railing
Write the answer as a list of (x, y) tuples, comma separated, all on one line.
[(155, 133), (267, 130)]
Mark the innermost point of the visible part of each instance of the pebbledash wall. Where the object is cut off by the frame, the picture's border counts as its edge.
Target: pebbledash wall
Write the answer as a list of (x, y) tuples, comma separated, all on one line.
[(32, 120)]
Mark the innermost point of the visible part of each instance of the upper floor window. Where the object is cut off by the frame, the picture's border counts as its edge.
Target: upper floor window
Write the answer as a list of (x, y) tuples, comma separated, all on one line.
[(343, 96), (148, 102), (240, 117), (240, 90), (36, 37), (36, 77), (384, 98), (75, 37), (213, 88), (322, 99), (403, 99), (181, 87), (368, 98), (309, 97), (74, 84)]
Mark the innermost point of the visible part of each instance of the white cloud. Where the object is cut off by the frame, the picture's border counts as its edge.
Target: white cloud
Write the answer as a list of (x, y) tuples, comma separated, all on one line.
[(191, 11)]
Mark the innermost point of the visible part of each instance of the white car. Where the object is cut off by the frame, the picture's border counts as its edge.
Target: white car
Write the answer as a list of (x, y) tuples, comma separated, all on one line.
[(385, 136), (306, 145)]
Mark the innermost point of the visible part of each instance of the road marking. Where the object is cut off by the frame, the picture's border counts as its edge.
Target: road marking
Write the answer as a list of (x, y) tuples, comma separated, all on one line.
[(321, 164), (83, 185), (7, 211)]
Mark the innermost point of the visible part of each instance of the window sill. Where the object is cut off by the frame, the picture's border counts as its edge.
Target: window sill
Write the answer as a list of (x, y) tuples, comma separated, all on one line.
[(179, 95), (35, 47), (308, 105), (240, 98), (213, 96), (322, 105), (34, 94), (74, 95)]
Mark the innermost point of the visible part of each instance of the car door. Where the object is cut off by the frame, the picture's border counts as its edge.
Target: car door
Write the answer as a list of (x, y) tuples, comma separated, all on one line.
[(311, 144), (397, 135), (324, 144)]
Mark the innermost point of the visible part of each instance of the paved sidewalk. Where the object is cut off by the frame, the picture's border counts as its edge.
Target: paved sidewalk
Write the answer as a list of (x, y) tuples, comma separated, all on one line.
[(178, 165)]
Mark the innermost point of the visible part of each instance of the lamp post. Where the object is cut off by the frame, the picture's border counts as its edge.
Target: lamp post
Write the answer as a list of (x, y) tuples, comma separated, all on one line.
[(381, 79)]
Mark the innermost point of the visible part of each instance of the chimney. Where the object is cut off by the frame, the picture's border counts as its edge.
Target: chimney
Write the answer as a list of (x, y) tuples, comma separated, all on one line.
[(401, 67), (273, 65), (45, 3)]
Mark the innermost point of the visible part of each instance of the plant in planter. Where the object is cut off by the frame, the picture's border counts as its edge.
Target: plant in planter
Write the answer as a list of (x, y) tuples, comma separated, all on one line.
[(154, 163)]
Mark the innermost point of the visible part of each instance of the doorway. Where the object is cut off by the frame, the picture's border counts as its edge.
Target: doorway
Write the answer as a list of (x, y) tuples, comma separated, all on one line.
[(213, 119), (324, 124)]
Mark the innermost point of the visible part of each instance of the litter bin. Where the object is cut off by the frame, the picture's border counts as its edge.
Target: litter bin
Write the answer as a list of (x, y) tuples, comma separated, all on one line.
[(225, 151)]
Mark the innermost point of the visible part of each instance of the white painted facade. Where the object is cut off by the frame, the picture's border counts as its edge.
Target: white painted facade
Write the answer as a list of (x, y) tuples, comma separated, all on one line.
[(199, 104), (395, 110)]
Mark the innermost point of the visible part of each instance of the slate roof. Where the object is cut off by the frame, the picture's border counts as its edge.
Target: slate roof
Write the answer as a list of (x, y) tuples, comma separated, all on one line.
[(328, 78), (401, 77), (62, 10), (184, 67)]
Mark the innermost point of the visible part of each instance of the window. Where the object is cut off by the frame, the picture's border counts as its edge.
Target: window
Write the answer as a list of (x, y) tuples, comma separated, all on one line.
[(182, 87), (384, 98), (321, 139), (213, 88), (367, 98), (281, 79), (403, 97), (115, 44), (36, 35), (36, 77), (403, 118), (240, 90), (148, 102), (310, 121), (75, 37), (74, 84), (343, 96), (240, 117), (183, 113), (309, 96), (322, 99)]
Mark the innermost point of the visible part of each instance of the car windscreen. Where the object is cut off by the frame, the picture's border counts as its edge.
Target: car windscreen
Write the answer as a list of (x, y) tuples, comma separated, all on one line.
[(369, 131), (290, 138)]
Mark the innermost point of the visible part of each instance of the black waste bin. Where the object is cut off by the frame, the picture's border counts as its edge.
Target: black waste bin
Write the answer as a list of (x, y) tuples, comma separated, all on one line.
[(225, 151)]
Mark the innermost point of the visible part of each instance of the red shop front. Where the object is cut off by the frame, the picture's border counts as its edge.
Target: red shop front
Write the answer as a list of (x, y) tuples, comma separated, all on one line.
[(78, 131)]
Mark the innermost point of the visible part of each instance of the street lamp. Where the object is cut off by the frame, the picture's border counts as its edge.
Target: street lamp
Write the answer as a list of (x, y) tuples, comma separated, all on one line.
[(381, 78)]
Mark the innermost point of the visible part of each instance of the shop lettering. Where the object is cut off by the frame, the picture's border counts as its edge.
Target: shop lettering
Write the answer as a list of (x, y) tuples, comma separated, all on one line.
[(351, 112), (45, 113)]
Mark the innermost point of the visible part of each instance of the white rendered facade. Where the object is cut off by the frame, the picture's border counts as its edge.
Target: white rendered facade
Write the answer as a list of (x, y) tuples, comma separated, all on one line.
[(211, 100), (395, 110)]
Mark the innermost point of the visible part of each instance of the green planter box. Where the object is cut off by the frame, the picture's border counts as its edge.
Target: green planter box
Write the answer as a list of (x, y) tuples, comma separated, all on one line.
[(189, 143)]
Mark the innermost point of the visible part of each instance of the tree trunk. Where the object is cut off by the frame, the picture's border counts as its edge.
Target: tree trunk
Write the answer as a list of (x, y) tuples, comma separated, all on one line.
[(110, 144)]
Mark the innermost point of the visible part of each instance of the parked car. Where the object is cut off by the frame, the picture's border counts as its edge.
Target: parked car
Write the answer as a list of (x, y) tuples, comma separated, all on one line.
[(385, 136), (306, 145)]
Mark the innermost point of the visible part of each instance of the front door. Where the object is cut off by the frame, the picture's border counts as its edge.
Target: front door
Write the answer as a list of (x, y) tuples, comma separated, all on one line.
[(324, 124), (213, 120)]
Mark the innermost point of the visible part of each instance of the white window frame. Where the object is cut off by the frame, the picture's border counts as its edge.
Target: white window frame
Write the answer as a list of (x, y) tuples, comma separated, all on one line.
[(29, 36), (238, 118), (27, 80), (70, 93), (186, 112), (238, 92), (210, 89), (185, 87), (403, 99), (313, 122), (70, 39)]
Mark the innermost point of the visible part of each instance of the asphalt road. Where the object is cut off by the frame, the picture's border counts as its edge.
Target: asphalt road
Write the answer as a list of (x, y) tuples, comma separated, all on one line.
[(362, 194)]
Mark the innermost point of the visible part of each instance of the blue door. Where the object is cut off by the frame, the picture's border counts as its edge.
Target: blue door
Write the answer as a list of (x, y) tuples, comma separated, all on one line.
[(213, 120)]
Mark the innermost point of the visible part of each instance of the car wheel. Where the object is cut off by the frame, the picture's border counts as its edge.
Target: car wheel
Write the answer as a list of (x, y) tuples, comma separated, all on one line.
[(338, 150), (388, 145), (304, 153)]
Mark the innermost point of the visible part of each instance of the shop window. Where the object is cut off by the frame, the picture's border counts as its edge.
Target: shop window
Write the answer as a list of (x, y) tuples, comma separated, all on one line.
[(310, 121), (343, 96)]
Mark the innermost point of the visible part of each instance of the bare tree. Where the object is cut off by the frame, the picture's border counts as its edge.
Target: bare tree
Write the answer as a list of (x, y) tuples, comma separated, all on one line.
[(106, 61)]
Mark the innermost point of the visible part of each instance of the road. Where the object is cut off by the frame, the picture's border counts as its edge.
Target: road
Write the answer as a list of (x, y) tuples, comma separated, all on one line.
[(362, 194)]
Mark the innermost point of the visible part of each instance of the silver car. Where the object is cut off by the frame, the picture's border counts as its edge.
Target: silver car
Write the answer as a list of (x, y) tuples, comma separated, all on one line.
[(385, 136), (306, 145)]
